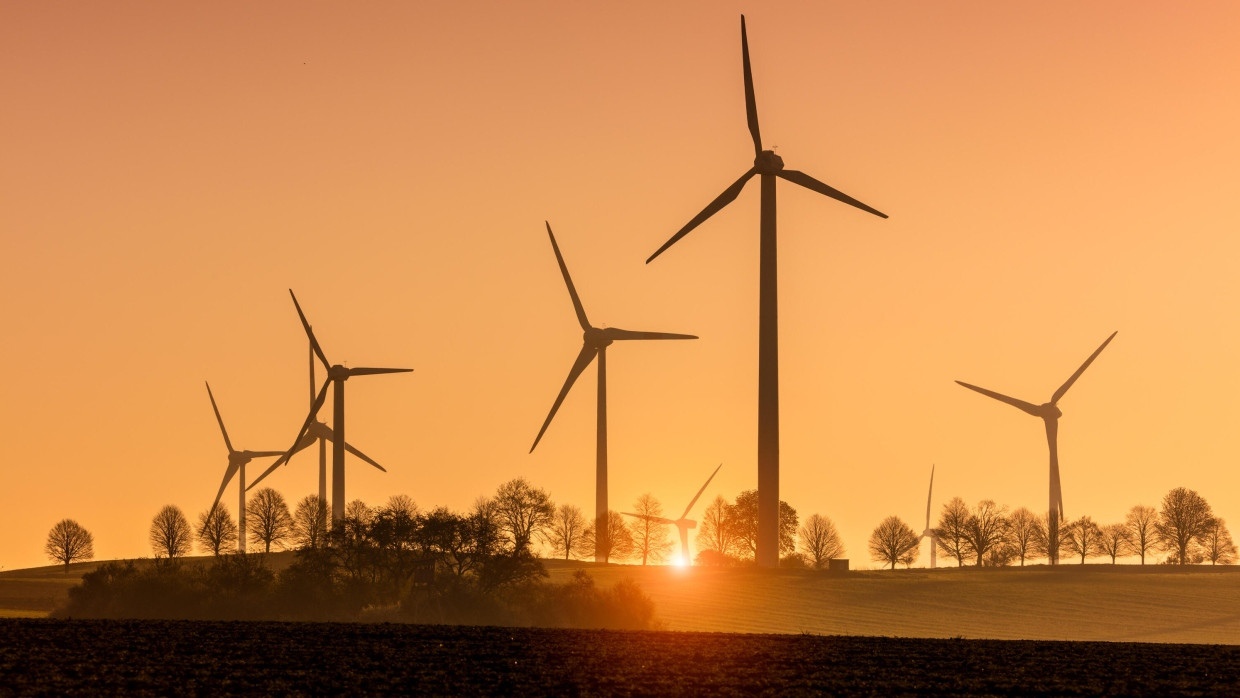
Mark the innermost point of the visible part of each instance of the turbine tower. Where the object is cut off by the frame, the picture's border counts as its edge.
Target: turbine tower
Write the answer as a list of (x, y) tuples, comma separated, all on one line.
[(318, 432), (769, 165), (336, 375), (928, 532), (595, 343), (237, 461), (1050, 414), (683, 524)]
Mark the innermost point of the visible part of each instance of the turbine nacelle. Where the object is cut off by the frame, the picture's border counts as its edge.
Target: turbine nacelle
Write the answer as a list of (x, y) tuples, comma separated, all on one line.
[(596, 337), (767, 162), (338, 373)]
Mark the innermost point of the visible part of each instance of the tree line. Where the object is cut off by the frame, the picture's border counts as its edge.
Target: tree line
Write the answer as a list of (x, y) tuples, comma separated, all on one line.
[(1184, 527)]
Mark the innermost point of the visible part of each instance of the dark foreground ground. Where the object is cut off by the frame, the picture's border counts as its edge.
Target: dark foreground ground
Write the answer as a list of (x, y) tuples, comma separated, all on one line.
[(187, 658)]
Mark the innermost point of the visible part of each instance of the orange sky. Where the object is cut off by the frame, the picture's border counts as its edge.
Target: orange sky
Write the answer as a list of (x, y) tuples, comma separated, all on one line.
[(1052, 175)]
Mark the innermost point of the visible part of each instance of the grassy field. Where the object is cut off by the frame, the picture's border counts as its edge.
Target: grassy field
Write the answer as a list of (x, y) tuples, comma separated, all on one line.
[(1070, 602)]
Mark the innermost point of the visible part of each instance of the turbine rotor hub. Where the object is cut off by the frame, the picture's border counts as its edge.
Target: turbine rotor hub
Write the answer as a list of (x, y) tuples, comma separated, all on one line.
[(1051, 411), (596, 338), (338, 373), (767, 162)]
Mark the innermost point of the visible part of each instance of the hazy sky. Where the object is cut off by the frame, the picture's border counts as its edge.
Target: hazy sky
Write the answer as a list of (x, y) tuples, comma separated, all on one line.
[(1052, 173)]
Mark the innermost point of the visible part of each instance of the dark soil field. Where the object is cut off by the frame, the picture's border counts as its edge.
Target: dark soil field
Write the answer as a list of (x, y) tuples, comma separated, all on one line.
[(57, 657)]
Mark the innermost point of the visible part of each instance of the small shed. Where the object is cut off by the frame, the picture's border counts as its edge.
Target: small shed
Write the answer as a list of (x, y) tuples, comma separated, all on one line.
[(839, 565)]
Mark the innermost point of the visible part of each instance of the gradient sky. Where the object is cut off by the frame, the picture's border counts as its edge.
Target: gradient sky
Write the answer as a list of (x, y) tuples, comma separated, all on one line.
[(1052, 174)]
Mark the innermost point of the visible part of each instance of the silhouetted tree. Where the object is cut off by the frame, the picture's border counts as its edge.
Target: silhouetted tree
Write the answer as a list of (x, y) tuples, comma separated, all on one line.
[(985, 530), (1185, 516), (564, 533), (395, 533), (953, 530), (650, 541), (1216, 543), (894, 541), (310, 522), (170, 533), (619, 537), (743, 516), (1083, 537), (1023, 533), (217, 531), (268, 519), (715, 529), (523, 511), (1043, 545), (69, 542), (1142, 533), (1114, 541), (351, 544), (820, 542)]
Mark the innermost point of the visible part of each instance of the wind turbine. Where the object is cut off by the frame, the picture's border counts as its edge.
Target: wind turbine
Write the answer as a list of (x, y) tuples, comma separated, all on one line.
[(930, 533), (595, 343), (683, 524), (1050, 414), (769, 165), (336, 375), (237, 461), (318, 432)]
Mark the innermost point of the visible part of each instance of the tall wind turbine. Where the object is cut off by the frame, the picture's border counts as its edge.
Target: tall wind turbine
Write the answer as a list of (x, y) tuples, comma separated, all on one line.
[(769, 165), (321, 433), (595, 343), (237, 461), (928, 532), (683, 524), (336, 375), (1050, 414)]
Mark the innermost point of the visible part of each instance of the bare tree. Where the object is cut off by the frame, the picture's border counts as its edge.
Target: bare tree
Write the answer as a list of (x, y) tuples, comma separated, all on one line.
[(744, 517), (715, 529), (1185, 516), (1114, 541), (650, 541), (894, 541), (269, 520), (69, 542), (170, 533), (619, 538), (217, 531), (953, 530), (310, 519), (1024, 530), (820, 542), (1142, 533), (401, 505), (986, 529), (1083, 537), (566, 530), (523, 511), (1217, 545), (1043, 545)]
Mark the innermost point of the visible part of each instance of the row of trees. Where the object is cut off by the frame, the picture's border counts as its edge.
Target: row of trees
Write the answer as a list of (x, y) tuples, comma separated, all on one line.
[(988, 534)]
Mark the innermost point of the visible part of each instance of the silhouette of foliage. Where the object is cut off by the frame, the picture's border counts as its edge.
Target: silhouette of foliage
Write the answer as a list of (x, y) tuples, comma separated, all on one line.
[(1115, 541), (650, 541), (523, 512), (1082, 537), (894, 541), (743, 518), (619, 539), (820, 542), (1142, 533), (269, 521), (309, 529), (715, 533), (985, 533), (217, 531), (68, 542), (170, 533), (1024, 530), (953, 530), (1216, 544), (566, 531), (1185, 517)]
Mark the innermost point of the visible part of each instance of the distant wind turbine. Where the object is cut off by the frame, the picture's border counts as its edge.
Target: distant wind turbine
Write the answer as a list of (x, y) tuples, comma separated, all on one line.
[(237, 461), (683, 524), (1050, 414), (321, 433), (595, 341), (336, 375), (769, 165), (928, 532)]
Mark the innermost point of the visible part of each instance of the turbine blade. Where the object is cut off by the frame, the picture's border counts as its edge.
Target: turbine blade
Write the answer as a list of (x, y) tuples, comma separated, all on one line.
[(1020, 404), (363, 456), (928, 496), (568, 281), (264, 454), (711, 209), (314, 412), (306, 442), (615, 333), (751, 106), (270, 469), (583, 359), (699, 492), (233, 467), (219, 419), (361, 371), (797, 177), (1072, 379), (314, 343)]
